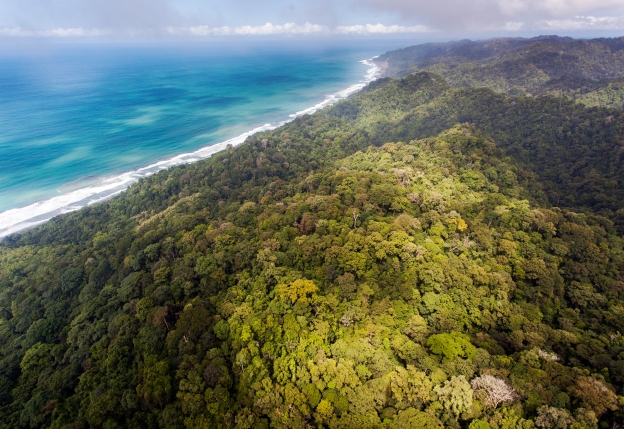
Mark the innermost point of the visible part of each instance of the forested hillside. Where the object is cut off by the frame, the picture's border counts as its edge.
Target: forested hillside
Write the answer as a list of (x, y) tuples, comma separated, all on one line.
[(417, 256), (588, 71), (577, 153)]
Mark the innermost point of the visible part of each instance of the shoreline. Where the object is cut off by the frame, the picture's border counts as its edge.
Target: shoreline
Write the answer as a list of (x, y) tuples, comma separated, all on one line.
[(37, 213), (383, 67)]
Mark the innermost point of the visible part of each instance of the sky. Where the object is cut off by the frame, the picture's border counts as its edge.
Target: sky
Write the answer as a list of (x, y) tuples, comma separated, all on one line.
[(210, 19)]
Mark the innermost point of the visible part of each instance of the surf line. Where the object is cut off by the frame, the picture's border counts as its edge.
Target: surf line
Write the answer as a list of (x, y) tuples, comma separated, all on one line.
[(18, 219)]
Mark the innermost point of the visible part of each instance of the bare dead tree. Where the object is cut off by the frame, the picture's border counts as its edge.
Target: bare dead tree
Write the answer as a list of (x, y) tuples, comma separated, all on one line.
[(355, 218), (492, 390), (317, 310), (549, 356)]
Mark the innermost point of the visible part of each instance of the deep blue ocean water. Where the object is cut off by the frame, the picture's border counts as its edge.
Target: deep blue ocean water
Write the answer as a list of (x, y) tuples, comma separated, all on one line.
[(82, 122)]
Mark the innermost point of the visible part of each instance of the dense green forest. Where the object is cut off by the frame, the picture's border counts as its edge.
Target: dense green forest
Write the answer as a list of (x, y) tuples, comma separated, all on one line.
[(588, 71), (416, 256)]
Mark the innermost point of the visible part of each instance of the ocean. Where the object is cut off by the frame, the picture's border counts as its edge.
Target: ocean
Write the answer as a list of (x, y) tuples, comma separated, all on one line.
[(80, 124)]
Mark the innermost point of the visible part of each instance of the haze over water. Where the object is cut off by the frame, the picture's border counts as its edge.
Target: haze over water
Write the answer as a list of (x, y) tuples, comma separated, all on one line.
[(75, 119)]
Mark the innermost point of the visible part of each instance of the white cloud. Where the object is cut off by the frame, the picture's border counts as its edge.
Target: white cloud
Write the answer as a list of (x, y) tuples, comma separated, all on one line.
[(57, 32), (291, 28), (577, 23), (15, 32), (248, 30), (584, 23), (381, 29), (480, 15), (152, 18), (514, 26)]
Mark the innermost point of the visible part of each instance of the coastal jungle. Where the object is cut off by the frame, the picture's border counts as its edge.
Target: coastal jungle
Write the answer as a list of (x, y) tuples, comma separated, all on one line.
[(424, 254)]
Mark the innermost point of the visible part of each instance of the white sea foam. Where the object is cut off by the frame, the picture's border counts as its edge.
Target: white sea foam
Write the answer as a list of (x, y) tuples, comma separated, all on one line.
[(18, 219)]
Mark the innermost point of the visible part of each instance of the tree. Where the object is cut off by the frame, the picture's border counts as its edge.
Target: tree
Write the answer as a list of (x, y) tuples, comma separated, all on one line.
[(416, 328), (479, 424), (455, 395), (324, 411), (410, 386), (594, 395), (492, 391), (412, 418), (452, 345), (297, 290), (553, 418), (155, 385)]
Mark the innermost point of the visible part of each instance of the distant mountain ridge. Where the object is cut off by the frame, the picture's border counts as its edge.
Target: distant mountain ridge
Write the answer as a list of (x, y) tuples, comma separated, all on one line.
[(589, 71)]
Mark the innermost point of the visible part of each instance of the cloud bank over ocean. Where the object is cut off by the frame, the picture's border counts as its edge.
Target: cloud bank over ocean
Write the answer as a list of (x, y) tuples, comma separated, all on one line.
[(248, 30), (577, 23), (294, 29), (57, 32), (268, 29), (382, 29), (507, 15), (247, 18)]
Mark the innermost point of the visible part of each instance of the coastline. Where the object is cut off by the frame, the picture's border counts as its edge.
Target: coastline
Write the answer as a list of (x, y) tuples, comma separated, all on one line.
[(383, 67), (32, 215)]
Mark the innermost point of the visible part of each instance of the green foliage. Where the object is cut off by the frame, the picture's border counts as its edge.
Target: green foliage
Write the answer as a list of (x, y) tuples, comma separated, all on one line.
[(415, 419), (455, 395), (451, 345), (478, 424), (296, 291)]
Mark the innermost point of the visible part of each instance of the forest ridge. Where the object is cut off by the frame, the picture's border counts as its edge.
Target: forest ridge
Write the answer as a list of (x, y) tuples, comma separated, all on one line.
[(427, 253), (588, 71)]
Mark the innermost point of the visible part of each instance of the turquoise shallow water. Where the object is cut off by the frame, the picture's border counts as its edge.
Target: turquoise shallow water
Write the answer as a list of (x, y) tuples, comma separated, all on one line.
[(80, 123)]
